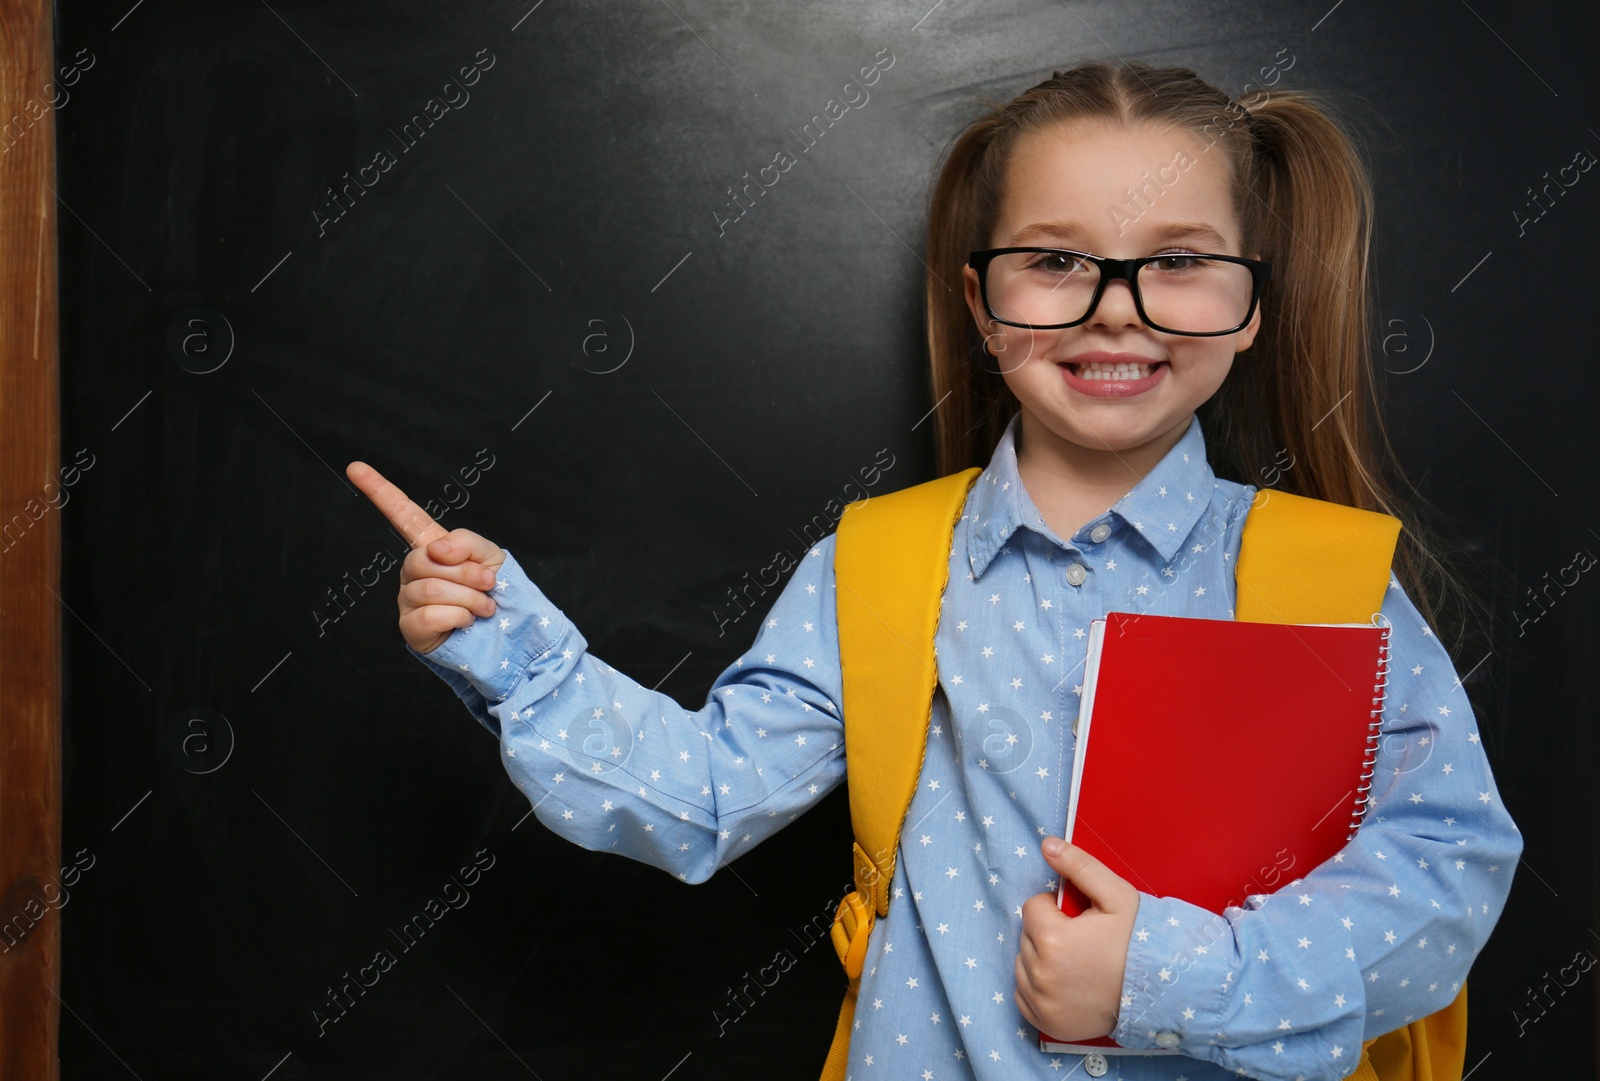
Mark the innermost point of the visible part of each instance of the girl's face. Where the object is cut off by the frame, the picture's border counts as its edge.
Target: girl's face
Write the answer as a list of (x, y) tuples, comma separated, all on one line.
[(1068, 187)]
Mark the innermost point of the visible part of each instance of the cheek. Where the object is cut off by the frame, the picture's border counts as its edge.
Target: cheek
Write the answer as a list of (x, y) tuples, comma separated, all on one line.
[(1019, 355), (1205, 362), (1220, 370)]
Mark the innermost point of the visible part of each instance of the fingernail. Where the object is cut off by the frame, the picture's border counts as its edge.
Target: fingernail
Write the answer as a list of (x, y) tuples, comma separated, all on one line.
[(444, 546), (1052, 846)]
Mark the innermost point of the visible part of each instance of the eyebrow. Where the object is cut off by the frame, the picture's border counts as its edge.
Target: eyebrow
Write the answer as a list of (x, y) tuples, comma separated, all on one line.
[(1041, 230)]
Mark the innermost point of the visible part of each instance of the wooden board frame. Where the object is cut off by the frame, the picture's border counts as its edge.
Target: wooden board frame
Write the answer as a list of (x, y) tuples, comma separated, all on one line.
[(30, 552)]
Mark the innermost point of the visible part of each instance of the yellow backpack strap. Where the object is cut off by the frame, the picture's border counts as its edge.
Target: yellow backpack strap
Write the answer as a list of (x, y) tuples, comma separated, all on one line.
[(891, 561), (1304, 560)]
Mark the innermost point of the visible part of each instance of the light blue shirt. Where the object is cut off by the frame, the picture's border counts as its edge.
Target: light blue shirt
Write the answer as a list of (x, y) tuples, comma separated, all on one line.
[(1380, 935)]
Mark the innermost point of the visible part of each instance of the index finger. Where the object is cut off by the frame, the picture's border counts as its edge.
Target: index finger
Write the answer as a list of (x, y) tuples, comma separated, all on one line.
[(415, 524)]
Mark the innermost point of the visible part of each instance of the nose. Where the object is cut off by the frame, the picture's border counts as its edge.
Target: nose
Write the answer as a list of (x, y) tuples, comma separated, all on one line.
[(1116, 307)]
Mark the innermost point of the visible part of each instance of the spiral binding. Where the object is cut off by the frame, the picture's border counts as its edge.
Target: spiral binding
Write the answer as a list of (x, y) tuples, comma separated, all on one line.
[(1374, 736)]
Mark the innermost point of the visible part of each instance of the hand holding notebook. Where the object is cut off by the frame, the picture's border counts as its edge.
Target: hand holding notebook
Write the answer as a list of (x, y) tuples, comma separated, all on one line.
[(1070, 972), (1218, 759)]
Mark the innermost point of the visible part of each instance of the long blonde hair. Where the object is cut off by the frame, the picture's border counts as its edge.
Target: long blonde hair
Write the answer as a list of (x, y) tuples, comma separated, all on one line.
[(1303, 198)]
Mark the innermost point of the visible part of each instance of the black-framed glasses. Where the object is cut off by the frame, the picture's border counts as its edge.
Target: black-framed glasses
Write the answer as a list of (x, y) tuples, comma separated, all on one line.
[(1201, 295)]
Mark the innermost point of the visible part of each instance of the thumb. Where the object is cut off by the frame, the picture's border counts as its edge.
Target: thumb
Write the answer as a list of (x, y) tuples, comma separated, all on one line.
[(1105, 889), (460, 545)]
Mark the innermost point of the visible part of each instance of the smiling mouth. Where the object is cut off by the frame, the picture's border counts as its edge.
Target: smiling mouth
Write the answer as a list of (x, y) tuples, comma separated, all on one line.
[(1121, 371)]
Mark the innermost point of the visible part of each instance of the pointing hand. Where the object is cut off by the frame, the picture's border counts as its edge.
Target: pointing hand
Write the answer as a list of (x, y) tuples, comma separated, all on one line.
[(446, 579)]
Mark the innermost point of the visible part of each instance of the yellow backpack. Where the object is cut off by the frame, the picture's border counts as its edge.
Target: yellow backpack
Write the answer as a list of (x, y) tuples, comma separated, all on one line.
[(1300, 560)]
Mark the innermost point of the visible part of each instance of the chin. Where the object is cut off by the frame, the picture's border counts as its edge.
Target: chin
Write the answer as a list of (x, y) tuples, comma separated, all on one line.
[(1108, 436)]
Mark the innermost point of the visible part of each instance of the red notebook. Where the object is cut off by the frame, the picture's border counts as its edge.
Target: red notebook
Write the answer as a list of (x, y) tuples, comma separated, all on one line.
[(1218, 759)]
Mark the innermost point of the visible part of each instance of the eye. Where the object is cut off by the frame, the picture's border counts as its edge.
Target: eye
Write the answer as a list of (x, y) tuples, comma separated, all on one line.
[(1172, 262), (1055, 262)]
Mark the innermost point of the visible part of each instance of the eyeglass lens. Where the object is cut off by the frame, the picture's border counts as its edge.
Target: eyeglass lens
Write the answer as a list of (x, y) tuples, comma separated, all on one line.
[(1181, 292)]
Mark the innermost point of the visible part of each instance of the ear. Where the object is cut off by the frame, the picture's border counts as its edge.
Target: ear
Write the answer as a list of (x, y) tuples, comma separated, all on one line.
[(974, 297), (1245, 338)]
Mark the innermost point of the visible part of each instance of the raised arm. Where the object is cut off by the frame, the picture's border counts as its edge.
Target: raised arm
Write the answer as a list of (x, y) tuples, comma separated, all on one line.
[(615, 766)]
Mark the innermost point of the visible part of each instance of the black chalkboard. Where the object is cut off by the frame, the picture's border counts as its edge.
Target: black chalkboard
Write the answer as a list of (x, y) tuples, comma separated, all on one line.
[(507, 255)]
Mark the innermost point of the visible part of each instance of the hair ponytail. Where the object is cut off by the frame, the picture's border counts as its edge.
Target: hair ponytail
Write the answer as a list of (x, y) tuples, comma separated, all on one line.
[(1305, 392)]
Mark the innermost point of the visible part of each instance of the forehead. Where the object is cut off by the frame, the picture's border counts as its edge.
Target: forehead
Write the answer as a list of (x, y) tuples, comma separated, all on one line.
[(1106, 186)]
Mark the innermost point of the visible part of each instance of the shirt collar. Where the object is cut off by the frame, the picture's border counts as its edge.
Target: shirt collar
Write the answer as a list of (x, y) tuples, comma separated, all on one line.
[(1162, 508)]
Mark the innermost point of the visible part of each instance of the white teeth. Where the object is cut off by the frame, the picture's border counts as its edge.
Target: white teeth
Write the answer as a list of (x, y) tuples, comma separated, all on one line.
[(1099, 370)]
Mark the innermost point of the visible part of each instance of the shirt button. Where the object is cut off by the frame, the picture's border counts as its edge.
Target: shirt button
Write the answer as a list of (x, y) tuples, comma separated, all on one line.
[(1076, 574), (1099, 532), (1095, 1064), (1167, 1039)]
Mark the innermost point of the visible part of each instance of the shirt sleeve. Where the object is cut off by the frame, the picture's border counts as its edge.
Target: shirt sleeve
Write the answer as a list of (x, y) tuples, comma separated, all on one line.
[(1382, 934), (614, 766)]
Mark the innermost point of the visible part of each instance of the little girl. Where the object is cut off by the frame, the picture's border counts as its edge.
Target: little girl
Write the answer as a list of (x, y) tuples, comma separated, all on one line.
[(1122, 435)]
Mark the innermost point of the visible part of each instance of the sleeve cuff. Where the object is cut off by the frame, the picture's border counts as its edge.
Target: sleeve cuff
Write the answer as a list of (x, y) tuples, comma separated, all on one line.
[(487, 660), (463, 689), (1177, 976)]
